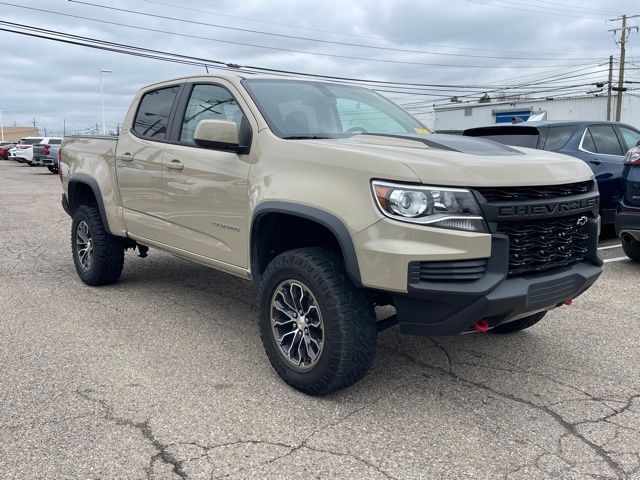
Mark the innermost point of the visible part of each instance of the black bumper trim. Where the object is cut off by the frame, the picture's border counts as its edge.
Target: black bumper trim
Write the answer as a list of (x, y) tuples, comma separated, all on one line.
[(453, 314)]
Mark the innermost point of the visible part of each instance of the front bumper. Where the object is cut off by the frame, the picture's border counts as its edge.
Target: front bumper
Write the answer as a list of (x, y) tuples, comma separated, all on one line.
[(628, 220), (453, 307)]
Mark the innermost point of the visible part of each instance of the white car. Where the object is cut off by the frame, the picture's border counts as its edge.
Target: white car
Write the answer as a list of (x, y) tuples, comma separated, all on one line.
[(23, 151)]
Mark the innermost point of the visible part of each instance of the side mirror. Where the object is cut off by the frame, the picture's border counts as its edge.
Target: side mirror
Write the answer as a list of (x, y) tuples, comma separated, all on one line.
[(218, 135)]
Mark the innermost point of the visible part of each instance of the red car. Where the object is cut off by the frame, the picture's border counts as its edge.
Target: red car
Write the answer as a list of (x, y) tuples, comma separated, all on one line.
[(4, 149)]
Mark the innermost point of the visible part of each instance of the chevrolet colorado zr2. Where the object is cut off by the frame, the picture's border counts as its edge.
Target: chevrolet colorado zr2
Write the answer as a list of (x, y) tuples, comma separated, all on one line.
[(335, 201)]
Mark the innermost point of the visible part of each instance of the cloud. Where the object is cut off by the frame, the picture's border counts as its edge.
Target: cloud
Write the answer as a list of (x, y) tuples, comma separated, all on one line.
[(51, 82)]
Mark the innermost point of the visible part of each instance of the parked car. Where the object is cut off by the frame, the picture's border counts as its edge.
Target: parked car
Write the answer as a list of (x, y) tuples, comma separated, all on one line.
[(628, 217), (602, 145), (46, 153), (23, 151), (4, 149), (333, 200)]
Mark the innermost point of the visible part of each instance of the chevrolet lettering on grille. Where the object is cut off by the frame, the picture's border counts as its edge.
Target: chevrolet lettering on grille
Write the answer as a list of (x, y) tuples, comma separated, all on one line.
[(540, 209)]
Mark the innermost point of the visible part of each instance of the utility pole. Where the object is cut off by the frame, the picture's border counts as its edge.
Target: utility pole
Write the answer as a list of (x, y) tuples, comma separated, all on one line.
[(623, 40), (64, 120), (609, 87)]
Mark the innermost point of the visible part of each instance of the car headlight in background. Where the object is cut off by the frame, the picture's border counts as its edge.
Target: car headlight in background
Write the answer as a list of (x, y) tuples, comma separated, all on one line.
[(453, 208)]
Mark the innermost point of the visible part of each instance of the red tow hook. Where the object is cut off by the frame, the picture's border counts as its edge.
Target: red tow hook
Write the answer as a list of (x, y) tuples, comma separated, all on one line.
[(569, 302), (481, 325)]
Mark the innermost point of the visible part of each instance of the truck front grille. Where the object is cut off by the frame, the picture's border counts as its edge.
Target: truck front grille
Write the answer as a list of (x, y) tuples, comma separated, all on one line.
[(500, 194), (538, 245)]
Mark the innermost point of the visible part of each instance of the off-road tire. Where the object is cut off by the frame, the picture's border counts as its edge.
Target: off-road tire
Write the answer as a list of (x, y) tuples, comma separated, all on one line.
[(631, 249), (520, 324), (349, 322), (107, 250), (53, 169)]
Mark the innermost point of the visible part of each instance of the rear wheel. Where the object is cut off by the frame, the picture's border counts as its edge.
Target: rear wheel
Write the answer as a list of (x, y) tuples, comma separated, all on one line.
[(52, 169), (97, 255), (318, 330), (520, 324), (631, 248)]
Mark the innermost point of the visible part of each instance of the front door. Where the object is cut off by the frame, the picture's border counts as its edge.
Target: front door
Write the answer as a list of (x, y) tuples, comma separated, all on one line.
[(139, 156), (206, 197)]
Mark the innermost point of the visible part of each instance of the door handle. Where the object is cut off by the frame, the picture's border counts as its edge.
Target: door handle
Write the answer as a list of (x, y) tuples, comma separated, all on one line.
[(175, 164), (125, 157), (595, 162)]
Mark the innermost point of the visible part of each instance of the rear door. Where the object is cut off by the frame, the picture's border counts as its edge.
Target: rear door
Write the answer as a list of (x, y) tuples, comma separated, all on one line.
[(631, 173), (139, 164), (206, 196), (605, 154)]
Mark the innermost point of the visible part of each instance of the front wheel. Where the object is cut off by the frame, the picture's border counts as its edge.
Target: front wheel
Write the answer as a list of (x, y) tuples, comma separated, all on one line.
[(318, 330), (520, 324), (97, 255)]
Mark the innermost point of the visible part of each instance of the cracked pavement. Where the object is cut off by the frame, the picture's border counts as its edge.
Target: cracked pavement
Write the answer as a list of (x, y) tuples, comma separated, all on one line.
[(163, 376)]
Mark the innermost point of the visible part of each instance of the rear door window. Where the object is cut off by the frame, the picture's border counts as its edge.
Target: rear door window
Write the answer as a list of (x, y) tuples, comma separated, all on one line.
[(152, 118), (55, 141), (558, 137), (631, 137), (605, 140)]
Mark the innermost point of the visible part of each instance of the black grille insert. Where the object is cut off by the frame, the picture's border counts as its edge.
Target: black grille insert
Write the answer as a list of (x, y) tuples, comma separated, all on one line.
[(503, 194), (453, 271), (535, 246)]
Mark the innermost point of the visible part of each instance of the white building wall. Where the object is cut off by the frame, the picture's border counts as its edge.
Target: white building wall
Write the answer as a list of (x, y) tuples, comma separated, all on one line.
[(453, 117)]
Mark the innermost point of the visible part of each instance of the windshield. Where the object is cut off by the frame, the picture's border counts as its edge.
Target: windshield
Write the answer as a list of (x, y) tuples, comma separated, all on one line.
[(299, 109)]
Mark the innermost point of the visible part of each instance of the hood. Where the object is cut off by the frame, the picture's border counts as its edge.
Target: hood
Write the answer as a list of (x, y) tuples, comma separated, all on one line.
[(454, 160)]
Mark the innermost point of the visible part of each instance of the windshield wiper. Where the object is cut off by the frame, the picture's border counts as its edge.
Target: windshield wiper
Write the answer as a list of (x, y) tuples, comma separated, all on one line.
[(305, 137)]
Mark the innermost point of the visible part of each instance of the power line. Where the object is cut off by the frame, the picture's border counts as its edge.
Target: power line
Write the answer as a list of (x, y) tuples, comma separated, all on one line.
[(330, 42), (370, 37), (197, 61), (510, 5)]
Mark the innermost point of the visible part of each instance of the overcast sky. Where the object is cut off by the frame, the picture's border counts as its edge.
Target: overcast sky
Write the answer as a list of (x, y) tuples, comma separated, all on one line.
[(49, 82)]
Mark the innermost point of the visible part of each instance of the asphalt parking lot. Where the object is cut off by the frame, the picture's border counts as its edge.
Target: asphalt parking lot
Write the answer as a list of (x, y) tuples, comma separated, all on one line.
[(163, 376)]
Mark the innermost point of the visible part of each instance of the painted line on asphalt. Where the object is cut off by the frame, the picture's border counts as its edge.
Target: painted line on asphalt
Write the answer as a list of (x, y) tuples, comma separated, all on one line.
[(608, 247), (616, 259)]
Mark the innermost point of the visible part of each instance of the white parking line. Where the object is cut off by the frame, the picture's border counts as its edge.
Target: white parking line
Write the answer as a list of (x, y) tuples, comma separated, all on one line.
[(608, 247), (616, 259)]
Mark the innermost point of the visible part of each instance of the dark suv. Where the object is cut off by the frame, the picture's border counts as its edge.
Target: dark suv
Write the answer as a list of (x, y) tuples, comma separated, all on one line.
[(601, 144), (628, 218)]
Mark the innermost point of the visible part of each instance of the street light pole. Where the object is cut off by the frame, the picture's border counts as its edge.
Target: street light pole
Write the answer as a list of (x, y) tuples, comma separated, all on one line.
[(1, 125), (104, 126)]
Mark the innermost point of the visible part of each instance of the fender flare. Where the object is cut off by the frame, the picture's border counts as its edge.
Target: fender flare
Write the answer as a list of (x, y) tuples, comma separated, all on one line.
[(84, 179), (322, 217)]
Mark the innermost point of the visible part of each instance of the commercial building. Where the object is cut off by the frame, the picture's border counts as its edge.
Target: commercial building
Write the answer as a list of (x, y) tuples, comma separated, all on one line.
[(460, 116)]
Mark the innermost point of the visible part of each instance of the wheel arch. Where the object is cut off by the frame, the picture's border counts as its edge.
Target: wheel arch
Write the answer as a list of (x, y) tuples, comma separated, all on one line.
[(261, 231), (84, 190)]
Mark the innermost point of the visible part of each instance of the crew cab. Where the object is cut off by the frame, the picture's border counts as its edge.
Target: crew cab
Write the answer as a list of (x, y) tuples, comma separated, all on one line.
[(335, 201)]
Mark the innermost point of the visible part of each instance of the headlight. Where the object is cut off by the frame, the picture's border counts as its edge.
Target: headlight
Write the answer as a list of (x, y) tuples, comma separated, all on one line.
[(453, 208)]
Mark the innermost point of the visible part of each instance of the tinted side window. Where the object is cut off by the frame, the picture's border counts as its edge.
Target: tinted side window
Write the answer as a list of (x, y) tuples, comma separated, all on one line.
[(558, 137), (209, 102), (631, 137), (55, 141), (153, 114), (605, 140)]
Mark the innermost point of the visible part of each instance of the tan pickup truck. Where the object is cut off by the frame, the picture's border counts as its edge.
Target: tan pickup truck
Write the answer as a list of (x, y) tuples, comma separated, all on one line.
[(336, 201)]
